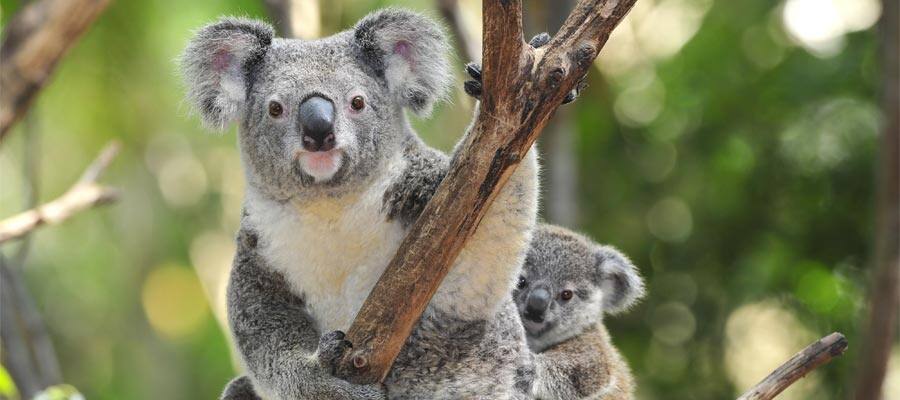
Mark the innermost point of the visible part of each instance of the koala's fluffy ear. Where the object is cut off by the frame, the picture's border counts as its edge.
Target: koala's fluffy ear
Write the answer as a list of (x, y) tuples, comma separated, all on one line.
[(619, 280), (216, 65), (410, 52)]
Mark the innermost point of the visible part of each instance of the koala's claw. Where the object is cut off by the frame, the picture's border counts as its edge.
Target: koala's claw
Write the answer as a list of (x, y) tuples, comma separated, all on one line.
[(571, 96), (539, 40), (332, 346), (474, 70), (474, 87)]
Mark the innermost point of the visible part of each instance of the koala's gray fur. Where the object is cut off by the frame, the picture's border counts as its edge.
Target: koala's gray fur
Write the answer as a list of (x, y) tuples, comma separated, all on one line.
[(575, 357), (319, 229)]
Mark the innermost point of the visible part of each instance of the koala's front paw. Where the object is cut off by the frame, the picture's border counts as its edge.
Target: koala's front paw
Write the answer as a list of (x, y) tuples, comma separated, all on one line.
[(474, 87), (332, 346)]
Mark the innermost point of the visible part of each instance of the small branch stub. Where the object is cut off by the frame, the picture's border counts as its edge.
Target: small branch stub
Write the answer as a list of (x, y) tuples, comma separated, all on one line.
[(819, 353)]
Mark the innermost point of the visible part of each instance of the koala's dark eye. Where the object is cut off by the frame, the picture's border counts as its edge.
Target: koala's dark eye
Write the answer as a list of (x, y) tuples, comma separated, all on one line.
[(275, 109), (523, 283), (566, 295), (357, 103)]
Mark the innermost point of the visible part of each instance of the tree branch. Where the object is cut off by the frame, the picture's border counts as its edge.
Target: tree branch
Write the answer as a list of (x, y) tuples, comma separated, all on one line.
[(522, 88), (33, 43), (884, 297), (469, 48), (86, 193), (28, 353), (810, 358), (295, 18)]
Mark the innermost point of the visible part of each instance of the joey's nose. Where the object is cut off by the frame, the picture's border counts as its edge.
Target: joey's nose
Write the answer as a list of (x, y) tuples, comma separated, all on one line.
[(316, 116), (536, 304)]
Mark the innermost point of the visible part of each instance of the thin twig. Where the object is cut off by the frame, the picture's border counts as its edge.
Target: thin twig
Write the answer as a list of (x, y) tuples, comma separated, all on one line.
[(33, 43), (86, 193), (810, 358), (28, 352)]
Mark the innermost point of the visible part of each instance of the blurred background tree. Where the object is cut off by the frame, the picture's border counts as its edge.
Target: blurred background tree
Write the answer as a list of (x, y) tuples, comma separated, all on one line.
[(729, 147)]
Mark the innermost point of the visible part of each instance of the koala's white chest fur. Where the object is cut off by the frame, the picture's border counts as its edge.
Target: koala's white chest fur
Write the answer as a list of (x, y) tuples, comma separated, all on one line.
[(331, 251)]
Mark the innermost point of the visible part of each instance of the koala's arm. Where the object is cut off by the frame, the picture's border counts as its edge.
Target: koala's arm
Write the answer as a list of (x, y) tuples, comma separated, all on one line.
[(487, 266), (276, 336), (587, 366)]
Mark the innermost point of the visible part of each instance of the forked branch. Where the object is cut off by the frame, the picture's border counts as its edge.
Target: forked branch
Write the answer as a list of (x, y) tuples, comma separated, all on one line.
[(86, 193), (522, 88), (810, 358)]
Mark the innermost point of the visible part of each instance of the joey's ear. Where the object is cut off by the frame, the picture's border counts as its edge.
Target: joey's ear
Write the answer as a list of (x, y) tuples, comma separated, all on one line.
[(618, 278), (410, 52), (216, 66)]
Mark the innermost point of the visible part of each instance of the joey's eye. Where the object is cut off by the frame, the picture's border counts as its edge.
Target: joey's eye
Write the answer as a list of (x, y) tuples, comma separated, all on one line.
[(275, 109), (357, 103), (522, 283), (566, 295)]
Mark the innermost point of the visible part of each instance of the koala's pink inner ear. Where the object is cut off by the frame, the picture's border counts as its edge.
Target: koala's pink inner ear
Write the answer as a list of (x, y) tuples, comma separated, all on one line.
[(222, 59), (404, 49)]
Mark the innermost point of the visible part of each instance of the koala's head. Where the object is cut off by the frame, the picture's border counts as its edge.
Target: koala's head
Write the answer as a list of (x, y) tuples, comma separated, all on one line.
[(322, 114), (568, 282)]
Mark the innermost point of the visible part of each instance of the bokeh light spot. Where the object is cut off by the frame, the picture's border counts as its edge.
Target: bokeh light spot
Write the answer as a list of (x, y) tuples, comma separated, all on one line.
[(670, 220), (820, 25), (182, 180), (819, 289), (173, 301), (673, 323), (759, 337)]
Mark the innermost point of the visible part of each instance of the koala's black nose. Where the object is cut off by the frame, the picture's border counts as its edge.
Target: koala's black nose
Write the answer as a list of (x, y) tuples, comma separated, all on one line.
[(536, 304), (316, 116)]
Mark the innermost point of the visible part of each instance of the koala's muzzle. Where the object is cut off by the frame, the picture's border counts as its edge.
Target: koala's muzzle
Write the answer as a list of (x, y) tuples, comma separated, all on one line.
[(536, 304), (316, 116)]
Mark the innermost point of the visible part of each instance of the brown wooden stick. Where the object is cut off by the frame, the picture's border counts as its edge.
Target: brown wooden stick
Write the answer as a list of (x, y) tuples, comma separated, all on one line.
[(522, 88), (86, 193), (33, 43), (802, 363)]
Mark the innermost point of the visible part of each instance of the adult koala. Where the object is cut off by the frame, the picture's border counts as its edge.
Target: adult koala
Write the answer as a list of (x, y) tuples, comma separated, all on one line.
[(335, 176)]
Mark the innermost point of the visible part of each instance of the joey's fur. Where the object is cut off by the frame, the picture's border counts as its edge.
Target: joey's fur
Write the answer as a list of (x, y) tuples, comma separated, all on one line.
[(575, 358)]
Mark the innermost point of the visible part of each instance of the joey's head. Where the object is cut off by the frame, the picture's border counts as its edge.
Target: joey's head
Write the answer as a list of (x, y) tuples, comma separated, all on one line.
[(316, 116), (568, 282)]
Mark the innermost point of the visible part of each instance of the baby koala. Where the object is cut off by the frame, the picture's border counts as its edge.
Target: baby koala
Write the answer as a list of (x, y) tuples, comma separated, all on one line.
[(568, 282)]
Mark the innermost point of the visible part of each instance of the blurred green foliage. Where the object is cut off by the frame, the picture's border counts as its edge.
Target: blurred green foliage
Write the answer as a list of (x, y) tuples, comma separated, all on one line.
[(731, 158)]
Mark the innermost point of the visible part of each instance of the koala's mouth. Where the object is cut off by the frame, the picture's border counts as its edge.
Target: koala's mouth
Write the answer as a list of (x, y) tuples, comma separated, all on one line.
[(320, 165), (534, 328)]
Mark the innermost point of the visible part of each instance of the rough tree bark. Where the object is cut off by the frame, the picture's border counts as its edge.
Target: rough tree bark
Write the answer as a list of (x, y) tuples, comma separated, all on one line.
[(33, 43), (814, 355), (522, 88), (884, 299)]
